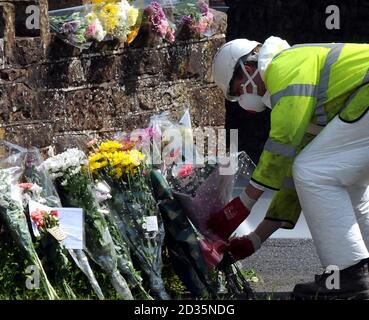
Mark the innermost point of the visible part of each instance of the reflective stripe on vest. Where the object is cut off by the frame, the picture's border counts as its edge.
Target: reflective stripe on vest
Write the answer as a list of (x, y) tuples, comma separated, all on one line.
[(280, 149), (305, 90), (320, 91), (332, 57), (288, 183)]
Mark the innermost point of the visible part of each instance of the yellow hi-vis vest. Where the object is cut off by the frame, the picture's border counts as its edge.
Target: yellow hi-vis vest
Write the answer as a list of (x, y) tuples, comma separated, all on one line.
[(310, 83)]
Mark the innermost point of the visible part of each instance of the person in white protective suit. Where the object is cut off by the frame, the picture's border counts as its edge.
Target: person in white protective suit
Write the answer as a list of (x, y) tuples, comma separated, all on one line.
[(319, 90)]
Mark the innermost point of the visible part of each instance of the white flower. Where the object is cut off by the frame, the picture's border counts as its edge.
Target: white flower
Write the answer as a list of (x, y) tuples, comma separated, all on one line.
[(123, 8), (100, 32), (57, 166), (36, 189)]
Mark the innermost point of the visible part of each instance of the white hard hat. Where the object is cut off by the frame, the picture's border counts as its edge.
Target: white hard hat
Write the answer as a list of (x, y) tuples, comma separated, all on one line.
[(226, 59)]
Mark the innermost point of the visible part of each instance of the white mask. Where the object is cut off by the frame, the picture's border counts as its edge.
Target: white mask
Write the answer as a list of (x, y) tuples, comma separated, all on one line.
[(250, 101)]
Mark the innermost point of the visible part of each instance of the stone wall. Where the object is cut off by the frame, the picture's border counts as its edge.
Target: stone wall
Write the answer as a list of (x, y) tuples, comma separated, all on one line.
[(50, 95)]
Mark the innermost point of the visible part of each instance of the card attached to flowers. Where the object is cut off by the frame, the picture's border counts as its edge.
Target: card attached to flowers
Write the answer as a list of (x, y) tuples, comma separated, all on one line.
[(36, 211), (64, 224), (152, 224), (72, 224)]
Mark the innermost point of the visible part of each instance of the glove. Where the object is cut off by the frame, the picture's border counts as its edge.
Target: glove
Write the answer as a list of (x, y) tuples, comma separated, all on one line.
[(226, 221), (243, 247)]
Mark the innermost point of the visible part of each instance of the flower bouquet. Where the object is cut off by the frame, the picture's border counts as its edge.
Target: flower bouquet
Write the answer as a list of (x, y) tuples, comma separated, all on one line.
[(133, 206), (193, 18), (203, 189), (52, 254), (125, 264), (12, 213), (97, 21), (75, 187), (202, 185), (155, 24), (39, 188)]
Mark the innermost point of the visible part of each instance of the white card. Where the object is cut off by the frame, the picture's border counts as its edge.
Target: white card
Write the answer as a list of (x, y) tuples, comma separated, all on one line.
[(72, 224), (152, 223)]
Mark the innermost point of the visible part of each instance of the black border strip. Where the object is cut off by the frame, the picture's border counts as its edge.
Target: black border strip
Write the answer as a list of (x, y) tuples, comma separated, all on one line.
[(264, 185), (352, 121), (282, 220)]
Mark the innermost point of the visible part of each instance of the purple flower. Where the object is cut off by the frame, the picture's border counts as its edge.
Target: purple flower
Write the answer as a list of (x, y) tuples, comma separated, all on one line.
[(203, 6), (156, 15), (187, 20), (70, 27), (159, 13)]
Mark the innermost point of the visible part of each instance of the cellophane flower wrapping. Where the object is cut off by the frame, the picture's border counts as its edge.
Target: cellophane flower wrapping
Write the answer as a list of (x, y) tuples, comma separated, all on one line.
[(125, 264), (97, 21), (40, 188), (133, 206), (202, 184), (203, 190), (12, 211), (155, 15), (194, 15), (75, 186)]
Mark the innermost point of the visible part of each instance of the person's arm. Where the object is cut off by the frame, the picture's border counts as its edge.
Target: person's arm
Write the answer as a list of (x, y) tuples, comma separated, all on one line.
[(224, 222), (266, 228), (243, 247)]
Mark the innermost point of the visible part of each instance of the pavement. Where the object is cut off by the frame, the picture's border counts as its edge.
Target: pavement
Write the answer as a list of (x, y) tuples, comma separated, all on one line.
[(280, 264)]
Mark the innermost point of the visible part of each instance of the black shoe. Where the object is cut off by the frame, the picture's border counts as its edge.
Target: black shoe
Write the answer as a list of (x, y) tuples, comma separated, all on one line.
[(353, 284)]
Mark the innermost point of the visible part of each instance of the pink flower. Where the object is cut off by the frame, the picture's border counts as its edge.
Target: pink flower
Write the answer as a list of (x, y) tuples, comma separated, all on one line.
[(37, 217), (162, 28), (41, 223), (54, 214), (170, 35), (174, 153), (201, 26), (156, 15), (26, 186), (92, 143), (91, 30), (44, 213), (185, 170), (95, 30)]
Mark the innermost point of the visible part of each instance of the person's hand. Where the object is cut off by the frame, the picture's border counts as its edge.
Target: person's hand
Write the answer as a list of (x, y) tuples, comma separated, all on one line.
[(241, 247), (224, 222)]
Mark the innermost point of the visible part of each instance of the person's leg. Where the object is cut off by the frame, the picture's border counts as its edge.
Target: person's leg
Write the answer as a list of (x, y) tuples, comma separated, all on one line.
[(359, 194), (323, 171)]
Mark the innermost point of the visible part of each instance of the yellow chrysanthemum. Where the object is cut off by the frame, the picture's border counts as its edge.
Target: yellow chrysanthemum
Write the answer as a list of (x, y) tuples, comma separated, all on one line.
[(117, 172), (103, 1), (110, 146), (119, 158), (109, 17), (136, 157), (95, 157), (96, 161)]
